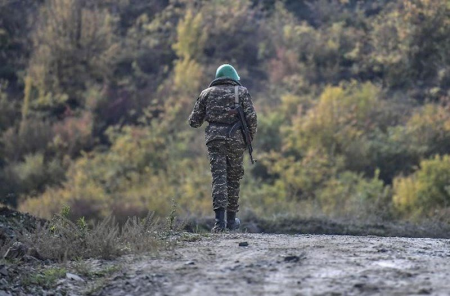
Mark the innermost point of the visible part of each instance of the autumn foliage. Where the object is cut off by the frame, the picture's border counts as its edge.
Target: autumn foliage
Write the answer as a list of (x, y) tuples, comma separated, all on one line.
[(353, 99)]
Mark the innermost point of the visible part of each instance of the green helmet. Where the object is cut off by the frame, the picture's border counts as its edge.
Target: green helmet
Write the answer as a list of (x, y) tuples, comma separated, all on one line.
[(227, 71)]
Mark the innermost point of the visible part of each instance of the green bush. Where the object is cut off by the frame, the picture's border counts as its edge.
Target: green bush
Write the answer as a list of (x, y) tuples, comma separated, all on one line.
[(33, 174), (353, 196), (74, 45), (340, 122), (410, 43), (32, 136), (135, 176), (428, 130), (426, 191)]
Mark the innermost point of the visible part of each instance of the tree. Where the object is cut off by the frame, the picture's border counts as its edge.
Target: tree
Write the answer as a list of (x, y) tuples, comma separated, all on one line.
[(74, 46)]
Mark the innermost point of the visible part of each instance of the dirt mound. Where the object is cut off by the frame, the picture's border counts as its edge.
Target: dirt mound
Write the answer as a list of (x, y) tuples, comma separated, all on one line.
[(13, 223)]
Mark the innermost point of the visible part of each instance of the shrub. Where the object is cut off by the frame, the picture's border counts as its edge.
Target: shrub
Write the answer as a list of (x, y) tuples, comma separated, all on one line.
[(426, 191), (300, 179), (136, 175), (410, 41), (340, 121), (351, 195), (33, 136), (28, 175), (428, 130), (61, 239), (74, 45), (269, 131), (73, 134)]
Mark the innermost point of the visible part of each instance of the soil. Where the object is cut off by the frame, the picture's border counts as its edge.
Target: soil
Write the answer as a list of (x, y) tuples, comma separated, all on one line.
[(273, 264), (250, 263)]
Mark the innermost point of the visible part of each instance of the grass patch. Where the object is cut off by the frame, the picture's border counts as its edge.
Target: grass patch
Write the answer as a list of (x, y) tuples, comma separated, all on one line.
[(107, 271), (190, 237), (46, 279), (84, 269), (97, 278), (61, 239)]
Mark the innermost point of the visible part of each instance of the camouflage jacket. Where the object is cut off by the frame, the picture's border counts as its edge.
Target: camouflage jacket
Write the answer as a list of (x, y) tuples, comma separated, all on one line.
[(213, 105)]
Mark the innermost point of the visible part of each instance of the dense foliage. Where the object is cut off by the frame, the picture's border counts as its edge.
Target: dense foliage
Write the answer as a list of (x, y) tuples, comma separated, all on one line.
[(353, 101)]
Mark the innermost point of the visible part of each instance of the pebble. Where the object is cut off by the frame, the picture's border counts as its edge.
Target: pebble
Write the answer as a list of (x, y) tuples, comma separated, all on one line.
[(16, 251), (3, 282), (3, 270), (292, 258)]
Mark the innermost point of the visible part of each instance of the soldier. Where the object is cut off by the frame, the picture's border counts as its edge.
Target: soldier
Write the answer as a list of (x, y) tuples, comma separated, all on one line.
[(224, 141)]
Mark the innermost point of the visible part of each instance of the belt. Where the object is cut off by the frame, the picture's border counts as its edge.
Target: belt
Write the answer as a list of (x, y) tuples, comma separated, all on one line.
[(232, 127), (221, 123)]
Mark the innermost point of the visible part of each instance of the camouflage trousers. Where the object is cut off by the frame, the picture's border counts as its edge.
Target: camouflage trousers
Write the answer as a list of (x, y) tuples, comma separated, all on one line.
[(227, 169)]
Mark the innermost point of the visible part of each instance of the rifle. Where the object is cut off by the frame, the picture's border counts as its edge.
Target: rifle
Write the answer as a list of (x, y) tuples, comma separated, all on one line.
[(242, 124)]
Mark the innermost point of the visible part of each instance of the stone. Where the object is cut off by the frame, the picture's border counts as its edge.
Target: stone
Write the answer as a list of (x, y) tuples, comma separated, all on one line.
[(3, 283), (3, 270), (291, 258), (74, 277), (17, 251), (31, 259)]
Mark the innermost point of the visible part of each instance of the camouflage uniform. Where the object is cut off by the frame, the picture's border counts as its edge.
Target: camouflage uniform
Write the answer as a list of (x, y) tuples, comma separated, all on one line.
[(225, 153)]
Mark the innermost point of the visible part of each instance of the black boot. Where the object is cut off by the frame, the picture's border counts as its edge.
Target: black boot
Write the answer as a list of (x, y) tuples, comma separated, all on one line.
[(233, 223), (219, 226)]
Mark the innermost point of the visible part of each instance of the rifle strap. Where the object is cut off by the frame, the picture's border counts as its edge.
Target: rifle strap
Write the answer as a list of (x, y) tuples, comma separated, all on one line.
[(236, 95)]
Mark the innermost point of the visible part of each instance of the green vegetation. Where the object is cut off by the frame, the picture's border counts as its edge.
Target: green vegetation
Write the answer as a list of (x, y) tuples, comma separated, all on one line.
[(353, 100), (61, 239), (45, 279)]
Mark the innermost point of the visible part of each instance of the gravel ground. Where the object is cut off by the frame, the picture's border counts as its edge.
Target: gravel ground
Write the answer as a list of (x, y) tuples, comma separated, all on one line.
[(271, 264)]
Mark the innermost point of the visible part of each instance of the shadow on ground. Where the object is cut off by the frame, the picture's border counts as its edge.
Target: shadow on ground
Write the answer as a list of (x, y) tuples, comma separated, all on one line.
[(290, 225)]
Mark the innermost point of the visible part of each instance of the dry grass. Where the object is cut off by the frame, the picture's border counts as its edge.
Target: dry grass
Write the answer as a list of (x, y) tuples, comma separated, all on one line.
[(61, 239)]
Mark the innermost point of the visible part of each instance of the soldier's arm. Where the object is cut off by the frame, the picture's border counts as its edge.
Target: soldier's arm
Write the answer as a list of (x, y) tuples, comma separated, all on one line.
[(198, 114), (250, 113)]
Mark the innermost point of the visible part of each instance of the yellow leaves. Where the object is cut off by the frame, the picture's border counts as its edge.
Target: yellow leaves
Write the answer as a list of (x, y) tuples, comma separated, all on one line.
[(142, 171), (341, 115), (74, 44), (300, 178), (427, 190), (405, 197), (293, 105), (191, 36), (188, 74), (430, 125)]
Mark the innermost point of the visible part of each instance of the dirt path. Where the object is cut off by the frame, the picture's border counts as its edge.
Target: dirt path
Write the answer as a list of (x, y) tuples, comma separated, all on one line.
[(292, 265)]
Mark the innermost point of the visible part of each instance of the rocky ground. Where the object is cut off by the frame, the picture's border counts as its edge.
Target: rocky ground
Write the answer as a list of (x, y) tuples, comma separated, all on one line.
[(240, 263), (248, 264), (269, 264), (12, 223)]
